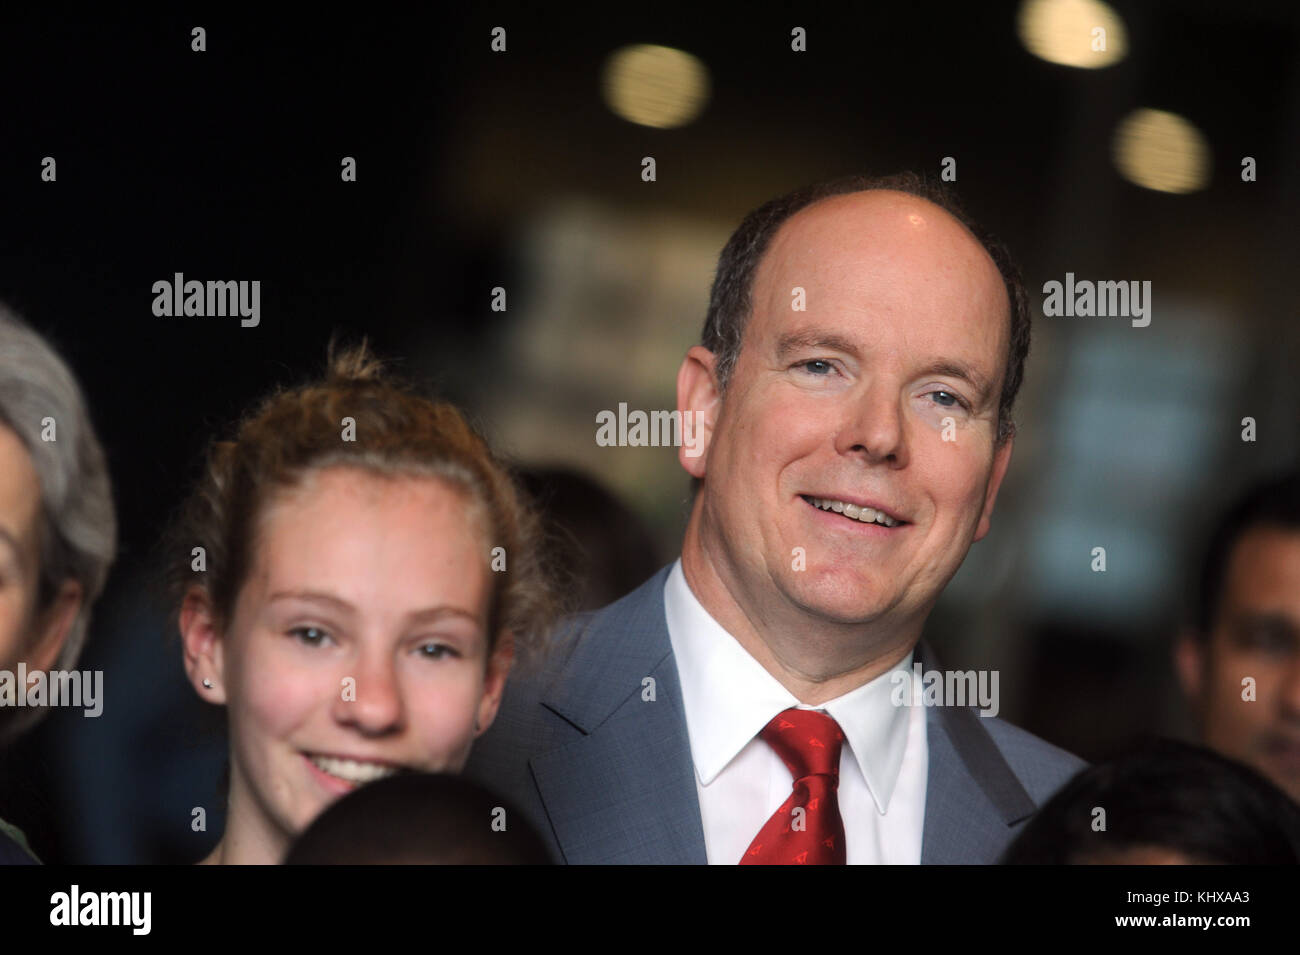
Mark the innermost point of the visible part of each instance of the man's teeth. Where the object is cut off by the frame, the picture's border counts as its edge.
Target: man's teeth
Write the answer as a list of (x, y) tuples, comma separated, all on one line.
[(867, 515), (351, 770)]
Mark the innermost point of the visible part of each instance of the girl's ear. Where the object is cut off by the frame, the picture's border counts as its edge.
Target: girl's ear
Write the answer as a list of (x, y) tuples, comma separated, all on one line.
[(498, 668), (201, 645)]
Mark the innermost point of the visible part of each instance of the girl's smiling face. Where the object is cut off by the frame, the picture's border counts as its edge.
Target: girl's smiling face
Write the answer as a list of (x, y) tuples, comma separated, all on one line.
[(357, 646)]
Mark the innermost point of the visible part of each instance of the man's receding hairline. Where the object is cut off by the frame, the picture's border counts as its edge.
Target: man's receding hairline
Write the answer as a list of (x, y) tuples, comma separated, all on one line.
[(904, 196)]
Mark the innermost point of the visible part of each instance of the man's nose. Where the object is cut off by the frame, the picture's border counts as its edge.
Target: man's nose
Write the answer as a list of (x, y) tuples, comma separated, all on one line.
[(375, 704), (873, 426)]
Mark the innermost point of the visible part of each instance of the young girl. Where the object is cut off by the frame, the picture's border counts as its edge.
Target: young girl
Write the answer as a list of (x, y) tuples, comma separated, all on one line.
[(358, 572)]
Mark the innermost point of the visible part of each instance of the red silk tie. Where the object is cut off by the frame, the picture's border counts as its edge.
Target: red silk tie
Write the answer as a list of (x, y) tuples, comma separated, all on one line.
[(809, 743)]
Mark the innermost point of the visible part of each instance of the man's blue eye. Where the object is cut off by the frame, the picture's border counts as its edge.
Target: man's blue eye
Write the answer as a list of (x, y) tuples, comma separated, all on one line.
[(312, 636), (952, 401), (823, 367)]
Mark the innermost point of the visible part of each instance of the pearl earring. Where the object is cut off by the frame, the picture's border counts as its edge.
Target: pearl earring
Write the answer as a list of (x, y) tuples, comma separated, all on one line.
[(207, 684)]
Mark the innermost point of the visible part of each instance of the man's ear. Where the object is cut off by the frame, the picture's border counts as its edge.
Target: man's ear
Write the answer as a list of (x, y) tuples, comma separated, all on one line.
[(53, 626), (201, 645), (1001, 460), (1189, 663), (697, 397), (498, 668)]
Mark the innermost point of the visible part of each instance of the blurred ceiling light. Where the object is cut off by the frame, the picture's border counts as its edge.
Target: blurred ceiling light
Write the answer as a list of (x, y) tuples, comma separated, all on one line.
[(655, 85), (1161, 151), (1066, 32)]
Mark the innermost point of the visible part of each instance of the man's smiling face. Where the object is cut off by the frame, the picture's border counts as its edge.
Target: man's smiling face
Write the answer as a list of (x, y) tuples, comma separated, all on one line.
[(846, 405)]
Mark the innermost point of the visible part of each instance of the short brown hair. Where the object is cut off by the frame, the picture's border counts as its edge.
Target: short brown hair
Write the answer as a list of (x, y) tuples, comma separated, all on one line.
[(730, 302), (398, 431)]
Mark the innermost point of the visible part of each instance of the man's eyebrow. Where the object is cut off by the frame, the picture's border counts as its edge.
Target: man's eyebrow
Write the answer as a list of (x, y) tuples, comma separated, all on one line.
[(811, 338), (1264, 620), (959, 369)]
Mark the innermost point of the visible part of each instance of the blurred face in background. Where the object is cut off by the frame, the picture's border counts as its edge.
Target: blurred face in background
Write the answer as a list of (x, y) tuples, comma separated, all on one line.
[(1256, 637), (27, 634), (358, 646)]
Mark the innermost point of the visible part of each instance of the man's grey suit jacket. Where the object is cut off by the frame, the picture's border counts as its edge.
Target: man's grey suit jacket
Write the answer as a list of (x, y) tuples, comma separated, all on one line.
[(605, 773)]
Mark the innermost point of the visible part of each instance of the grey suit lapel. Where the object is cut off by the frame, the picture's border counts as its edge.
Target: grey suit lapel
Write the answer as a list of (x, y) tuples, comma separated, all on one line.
[(624, 790), (972, 796)]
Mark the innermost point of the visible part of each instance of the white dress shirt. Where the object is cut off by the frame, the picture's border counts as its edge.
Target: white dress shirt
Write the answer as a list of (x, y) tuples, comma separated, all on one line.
[(729, 697)]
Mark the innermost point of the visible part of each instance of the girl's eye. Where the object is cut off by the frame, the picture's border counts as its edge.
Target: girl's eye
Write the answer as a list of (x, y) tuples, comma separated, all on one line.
[(312, 636), (436, 651)]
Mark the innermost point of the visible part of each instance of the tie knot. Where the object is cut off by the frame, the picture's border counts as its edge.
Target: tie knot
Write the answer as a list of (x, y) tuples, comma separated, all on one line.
[(808, 742)]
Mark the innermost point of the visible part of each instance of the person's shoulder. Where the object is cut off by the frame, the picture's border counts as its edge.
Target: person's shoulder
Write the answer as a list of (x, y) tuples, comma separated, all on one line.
[(13, 846), (625, 619), (584, 650), (1041, 767)]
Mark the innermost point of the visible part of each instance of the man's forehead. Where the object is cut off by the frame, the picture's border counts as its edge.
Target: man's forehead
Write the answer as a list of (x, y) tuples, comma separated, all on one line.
[(1265, 560), (861, 220), (869, 244), (865, 240)]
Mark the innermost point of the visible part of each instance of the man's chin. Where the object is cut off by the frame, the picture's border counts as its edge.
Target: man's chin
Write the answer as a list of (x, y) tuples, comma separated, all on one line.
[(841, 599)]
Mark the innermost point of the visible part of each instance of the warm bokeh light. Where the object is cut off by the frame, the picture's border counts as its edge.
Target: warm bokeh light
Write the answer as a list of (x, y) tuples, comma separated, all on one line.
[(1062, 31), (1161, 151), (655, 85)]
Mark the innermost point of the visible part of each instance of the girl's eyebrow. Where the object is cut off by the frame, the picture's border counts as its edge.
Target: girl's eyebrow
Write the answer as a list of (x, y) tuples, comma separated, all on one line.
[(424, 615), (433, 614), (315, 596)]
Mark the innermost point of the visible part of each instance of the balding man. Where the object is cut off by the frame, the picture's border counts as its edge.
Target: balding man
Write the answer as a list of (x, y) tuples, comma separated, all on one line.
[(752, 701)]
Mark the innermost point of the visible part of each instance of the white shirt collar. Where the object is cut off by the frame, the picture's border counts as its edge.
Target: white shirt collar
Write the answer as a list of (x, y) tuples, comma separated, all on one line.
[(729, 697)]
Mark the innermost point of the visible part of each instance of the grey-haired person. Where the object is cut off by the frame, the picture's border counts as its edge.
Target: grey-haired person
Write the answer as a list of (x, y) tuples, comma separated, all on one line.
[(58, 531)]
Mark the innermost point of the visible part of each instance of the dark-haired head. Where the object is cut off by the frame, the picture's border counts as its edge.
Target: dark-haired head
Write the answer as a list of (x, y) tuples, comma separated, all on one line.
[(419, 819), (607, 546), (1164, 801), (1274, 504), (1238, 657)]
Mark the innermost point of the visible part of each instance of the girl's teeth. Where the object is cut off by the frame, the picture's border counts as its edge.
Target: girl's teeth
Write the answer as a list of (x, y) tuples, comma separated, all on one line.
[(351, 770)]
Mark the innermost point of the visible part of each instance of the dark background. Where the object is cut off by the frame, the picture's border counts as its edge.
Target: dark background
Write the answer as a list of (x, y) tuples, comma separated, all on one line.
[(479, 169)]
